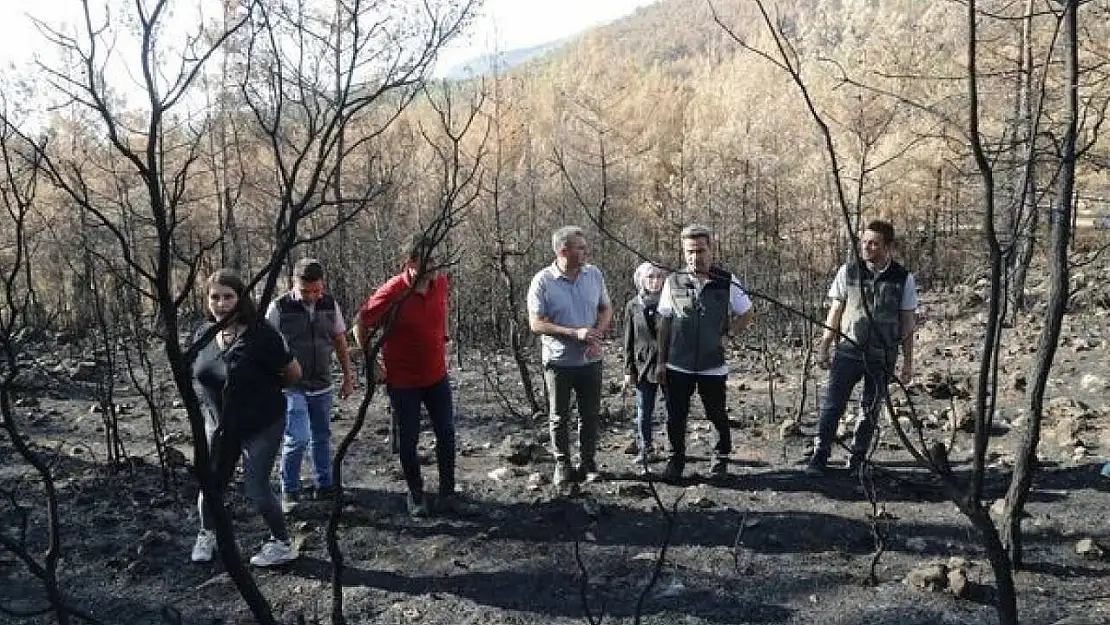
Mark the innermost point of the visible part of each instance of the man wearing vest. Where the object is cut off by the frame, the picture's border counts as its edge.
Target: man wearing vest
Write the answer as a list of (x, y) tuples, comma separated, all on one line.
[(698, 308), (313, 325), (873, 303)]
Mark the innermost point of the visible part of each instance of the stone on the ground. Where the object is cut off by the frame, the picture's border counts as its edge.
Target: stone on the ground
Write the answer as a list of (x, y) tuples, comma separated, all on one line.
[(703, 502), (501, 474), (932, 577), (958, 584), (518, 451), (789, 429), (1093, 383), (536, 481), (1089, 549), (634, 490)]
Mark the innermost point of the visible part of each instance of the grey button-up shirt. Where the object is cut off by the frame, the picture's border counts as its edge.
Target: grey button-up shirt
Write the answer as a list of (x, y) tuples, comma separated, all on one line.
[(571, 304)]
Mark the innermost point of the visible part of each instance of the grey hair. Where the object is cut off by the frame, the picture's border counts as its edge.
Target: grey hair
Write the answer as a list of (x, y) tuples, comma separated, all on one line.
[(560, 237), (697, 231)]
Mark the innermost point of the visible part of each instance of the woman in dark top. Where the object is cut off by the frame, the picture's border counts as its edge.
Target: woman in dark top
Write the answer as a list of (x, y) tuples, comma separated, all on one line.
[(239, 375), (641, 352)]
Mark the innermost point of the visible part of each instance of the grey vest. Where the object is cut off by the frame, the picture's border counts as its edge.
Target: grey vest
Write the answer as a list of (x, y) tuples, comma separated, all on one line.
[(700, 320), (309, 337), (877, 337)]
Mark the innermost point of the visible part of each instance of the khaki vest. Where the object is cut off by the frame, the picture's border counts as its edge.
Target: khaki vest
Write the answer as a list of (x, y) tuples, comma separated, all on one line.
[(309, 338), (700, 320), (871, 312)]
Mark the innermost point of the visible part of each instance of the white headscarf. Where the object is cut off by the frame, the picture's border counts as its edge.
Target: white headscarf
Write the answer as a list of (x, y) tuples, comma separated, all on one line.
[(641, 274)]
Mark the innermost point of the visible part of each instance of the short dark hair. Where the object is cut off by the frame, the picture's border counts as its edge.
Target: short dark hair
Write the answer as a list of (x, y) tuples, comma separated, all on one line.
[(885, 228), (697, 231), (246, 311), (419, 246), (308, 270)]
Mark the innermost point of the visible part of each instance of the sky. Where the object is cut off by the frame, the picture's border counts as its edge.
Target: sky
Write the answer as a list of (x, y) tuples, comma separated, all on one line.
[(500, 25), (503, 25)]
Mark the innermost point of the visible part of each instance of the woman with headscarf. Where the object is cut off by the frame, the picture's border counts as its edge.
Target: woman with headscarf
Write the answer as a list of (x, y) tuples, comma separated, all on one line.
[(641, 352)]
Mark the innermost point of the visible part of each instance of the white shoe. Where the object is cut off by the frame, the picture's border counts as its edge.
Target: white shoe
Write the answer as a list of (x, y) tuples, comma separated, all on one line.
[(275, 552), (205, 547)]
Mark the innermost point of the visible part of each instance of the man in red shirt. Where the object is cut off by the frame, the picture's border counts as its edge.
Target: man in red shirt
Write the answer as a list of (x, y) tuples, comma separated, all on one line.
[(412, 308)]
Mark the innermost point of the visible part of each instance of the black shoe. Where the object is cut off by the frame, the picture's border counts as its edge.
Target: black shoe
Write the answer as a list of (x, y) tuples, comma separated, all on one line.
[(855, 465), (817, 462), (816, 467), (719, 468), (587, 471), (418, 506), (673, 472)]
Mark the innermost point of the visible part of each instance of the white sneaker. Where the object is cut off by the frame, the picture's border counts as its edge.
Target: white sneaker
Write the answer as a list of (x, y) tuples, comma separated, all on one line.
[(275, 552), (205, 547)]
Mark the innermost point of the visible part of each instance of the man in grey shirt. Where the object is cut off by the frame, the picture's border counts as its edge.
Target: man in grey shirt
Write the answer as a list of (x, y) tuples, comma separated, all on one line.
[(569, 307)]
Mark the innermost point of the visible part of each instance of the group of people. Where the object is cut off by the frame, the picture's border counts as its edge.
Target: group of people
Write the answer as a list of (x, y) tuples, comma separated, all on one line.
[(265, 384), (676, 327), (265, 381)]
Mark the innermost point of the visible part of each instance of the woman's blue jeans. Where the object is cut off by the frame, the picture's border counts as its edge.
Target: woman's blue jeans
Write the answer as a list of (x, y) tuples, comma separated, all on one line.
[(646, 393)]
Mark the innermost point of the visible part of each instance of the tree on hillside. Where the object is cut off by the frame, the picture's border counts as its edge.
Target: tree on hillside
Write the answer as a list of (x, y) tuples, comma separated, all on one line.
[(1059, 261), (154, 154), (322, 81)]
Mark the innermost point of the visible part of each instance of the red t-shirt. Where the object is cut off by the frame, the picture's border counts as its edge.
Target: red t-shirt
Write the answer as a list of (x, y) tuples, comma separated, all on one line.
[(415, 351)]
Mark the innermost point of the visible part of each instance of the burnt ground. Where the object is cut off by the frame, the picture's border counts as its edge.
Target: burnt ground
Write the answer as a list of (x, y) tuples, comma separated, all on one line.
[(765, 546)]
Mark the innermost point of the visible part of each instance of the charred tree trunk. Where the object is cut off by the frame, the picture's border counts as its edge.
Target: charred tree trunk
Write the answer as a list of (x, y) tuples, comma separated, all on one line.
[(1025, 230), (1006, 603), (1060, 232), (516, 334)]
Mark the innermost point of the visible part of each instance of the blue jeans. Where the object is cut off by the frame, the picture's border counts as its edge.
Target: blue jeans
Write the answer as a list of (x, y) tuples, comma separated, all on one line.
[(307, 422), (406, 404), (711, 388), (645, 413), (844, 373)]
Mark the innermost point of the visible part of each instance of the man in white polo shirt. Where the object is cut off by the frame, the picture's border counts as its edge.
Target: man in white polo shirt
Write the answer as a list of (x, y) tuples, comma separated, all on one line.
[(699, 306), (873, 303)]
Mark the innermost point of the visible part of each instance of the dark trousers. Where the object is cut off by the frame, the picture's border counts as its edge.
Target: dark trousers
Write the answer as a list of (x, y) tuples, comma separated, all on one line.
[(406, 404), (585, 383), (844, 373), (711, 388), (258, 453)]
